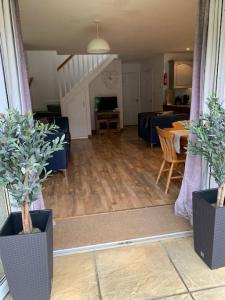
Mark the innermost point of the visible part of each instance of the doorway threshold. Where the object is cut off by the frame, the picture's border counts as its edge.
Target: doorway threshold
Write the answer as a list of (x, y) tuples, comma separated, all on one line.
[(117, 244), (123, 226)]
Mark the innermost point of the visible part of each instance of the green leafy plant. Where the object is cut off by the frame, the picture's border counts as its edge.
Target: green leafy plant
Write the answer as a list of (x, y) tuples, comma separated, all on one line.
[(24, 151), (209, 142)]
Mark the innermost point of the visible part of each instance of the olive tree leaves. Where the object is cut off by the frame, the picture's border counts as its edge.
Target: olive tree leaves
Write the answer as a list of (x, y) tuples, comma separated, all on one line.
[(208, 139), (24, 151)]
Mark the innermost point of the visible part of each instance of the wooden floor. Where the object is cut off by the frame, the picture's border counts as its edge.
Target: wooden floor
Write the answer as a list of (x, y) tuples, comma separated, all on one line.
[(108, 173)]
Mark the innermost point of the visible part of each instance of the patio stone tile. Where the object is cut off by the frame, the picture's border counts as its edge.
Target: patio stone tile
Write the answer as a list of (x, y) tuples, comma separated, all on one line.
[(137, 273), (212, 294), (178, 297), (74, 278), (193, 270)]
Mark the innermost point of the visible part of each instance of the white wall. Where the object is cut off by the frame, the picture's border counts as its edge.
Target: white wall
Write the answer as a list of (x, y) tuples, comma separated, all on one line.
[(98, 88), (42, 66)]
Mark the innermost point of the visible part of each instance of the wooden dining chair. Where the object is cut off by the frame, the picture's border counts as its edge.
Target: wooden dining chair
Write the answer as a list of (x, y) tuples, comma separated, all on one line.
[(169, 156)]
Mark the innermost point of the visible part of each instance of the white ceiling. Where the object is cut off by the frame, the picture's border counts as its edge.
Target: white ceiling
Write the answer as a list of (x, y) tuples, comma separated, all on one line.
[(135, 29)]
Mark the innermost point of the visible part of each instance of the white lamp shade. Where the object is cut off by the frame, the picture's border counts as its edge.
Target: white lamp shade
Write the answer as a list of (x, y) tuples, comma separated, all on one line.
[(98, 46)]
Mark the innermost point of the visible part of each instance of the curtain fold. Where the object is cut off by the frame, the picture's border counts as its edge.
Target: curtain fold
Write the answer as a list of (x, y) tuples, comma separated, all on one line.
[(192, 179), (21, 62), (25, 98)]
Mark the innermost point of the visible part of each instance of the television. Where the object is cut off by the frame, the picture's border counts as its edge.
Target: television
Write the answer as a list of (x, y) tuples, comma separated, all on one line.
[(106, 103)]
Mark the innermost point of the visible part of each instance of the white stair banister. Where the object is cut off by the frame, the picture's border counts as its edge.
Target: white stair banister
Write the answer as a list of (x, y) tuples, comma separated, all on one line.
[(74, 76)]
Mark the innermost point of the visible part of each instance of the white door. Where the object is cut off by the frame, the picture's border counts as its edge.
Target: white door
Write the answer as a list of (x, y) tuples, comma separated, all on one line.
[(79, 114), (146, 91), (131, 99)]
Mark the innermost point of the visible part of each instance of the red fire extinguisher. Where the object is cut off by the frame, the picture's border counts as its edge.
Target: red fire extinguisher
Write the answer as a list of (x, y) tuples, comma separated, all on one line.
[(165, 79)]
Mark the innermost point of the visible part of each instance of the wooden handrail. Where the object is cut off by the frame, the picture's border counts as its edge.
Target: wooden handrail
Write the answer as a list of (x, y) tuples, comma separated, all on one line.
[(65, 61), (31, 80)]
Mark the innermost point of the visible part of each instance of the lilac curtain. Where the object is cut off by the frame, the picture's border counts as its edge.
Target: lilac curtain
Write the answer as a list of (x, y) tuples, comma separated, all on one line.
[(192, 180), (23, 77), (24, 84)]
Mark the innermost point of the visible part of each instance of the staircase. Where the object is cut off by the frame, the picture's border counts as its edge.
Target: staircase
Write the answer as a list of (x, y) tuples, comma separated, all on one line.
[(74, 77)]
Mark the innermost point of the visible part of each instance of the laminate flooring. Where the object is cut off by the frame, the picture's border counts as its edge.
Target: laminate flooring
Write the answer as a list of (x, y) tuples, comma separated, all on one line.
[(108, 173)]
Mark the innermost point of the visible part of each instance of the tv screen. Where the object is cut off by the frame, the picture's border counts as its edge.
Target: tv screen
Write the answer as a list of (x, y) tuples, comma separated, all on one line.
[(105, 103)]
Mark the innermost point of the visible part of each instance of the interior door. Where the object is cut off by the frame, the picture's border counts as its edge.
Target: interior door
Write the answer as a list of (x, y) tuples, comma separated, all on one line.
[(78, 114), (131, 99), (146, 91)]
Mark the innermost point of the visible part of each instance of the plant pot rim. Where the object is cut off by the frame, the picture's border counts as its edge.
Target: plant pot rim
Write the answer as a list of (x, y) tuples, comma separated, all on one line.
[(200, 194), (205, 190), (32, 212)]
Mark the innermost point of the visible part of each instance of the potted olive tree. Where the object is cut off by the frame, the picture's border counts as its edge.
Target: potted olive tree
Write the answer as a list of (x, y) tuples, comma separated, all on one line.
[(26, 242), (208, 141)]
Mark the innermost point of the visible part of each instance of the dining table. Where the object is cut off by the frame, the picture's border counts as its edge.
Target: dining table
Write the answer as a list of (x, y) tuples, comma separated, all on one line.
[(180, 138)]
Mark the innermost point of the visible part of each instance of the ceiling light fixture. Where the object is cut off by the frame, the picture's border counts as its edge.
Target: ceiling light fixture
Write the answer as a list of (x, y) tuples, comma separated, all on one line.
[(98, 45), (188, 49)]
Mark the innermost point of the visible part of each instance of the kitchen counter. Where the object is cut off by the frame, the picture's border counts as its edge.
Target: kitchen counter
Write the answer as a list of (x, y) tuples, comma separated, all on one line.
[(177, 108)]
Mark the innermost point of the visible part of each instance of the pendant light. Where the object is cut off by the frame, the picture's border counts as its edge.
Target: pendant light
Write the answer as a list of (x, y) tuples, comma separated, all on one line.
[(98, 45)]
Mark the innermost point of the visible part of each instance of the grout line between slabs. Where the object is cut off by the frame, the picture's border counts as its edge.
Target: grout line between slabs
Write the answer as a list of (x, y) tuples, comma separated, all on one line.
[(96, 275), (181, 278), (208, 288), (188, 290), (168, 296)]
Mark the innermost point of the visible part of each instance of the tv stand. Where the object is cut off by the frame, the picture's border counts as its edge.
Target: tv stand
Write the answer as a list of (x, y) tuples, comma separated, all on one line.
[(107, 121)]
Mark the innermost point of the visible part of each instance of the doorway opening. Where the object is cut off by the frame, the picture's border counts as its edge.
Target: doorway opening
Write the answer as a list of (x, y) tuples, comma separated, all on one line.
[(108, 191)]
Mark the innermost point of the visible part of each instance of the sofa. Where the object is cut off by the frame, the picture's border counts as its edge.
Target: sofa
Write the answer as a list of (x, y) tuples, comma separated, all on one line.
[(63, 124), (59, 159), (147, 122), (53, 110)]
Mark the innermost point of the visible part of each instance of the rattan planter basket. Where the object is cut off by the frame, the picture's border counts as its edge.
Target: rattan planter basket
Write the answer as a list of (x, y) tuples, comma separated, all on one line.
[(28, 258), (209, 228)]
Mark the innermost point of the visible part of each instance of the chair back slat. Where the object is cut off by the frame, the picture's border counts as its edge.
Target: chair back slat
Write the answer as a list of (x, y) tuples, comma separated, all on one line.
[(167, 144)]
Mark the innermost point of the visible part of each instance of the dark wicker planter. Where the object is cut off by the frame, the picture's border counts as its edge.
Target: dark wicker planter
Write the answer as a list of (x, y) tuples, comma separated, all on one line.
[(209, 228), (28, 258)]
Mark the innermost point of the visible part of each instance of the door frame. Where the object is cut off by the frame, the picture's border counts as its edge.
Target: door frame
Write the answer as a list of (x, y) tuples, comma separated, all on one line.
[(10, 82)]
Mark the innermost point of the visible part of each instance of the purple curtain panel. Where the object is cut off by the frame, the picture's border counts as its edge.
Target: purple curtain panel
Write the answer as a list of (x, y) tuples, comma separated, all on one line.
[(193, 168), (25, 90)]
